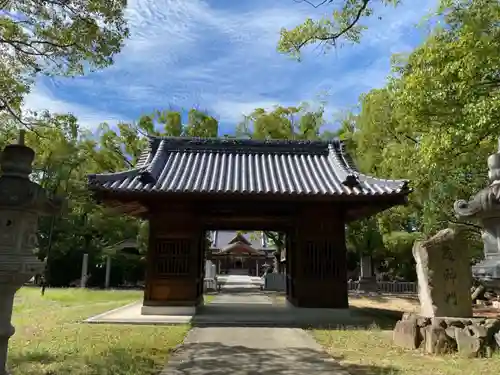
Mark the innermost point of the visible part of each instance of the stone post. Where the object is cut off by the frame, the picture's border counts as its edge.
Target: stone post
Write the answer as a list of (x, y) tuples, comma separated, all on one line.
[(209, 270), (366, 282), (484, 207), (21, 203), (85, 268), (257, 267), (366, 267), (108, 272)]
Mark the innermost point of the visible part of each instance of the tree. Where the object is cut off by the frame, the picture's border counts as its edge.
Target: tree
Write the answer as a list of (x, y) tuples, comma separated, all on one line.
[(343, 25), (435, 123), (299, 122), (54, 37), (398, 261), (437, 120)]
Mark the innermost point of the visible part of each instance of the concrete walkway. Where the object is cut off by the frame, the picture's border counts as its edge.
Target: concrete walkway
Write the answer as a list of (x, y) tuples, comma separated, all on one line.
[(250, 350)]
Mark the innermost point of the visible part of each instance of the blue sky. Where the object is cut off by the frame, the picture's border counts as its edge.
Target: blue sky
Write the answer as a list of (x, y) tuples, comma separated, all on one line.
[(220, 56)]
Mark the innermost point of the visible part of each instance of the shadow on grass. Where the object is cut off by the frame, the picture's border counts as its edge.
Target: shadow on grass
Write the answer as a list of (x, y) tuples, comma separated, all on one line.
[(262, 315), (382, 318), (43, 357), (116, 361), (213, 358)]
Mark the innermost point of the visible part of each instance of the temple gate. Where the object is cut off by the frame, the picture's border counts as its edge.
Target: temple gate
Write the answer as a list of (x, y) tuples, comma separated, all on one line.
[(187, 186)]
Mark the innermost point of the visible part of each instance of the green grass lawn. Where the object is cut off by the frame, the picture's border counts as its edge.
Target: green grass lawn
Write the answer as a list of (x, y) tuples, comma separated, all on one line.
[(367, 352), (51, 340), (371, 352)]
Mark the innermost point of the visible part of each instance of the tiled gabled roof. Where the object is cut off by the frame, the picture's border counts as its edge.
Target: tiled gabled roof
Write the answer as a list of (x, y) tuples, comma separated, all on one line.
[(222, 238), (250, 167)]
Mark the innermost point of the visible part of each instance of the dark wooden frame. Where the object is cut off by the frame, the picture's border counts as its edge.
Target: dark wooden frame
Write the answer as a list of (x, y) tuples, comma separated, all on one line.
[(315, 240)]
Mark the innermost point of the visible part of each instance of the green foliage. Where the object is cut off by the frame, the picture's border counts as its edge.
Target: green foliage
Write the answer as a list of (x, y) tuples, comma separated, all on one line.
[(439, 114), (435, 123), (344, 24), (300, 122), (55, 37), (398, 258), (363, 237)]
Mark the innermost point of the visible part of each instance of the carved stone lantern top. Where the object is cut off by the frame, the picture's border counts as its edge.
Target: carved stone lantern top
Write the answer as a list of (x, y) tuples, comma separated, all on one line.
[(16, 189), (486, 203)]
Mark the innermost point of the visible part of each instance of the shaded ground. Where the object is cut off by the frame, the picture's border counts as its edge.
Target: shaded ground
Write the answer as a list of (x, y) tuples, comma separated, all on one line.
[(213, 349), (50, 339), (254, 309), (263, 351)]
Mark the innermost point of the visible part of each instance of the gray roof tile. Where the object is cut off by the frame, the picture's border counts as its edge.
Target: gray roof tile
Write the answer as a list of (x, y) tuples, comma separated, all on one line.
[(221, 238), (239, 166)]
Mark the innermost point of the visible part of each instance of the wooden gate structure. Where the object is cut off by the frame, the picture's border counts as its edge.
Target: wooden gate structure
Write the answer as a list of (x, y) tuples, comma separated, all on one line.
[(186, 186)]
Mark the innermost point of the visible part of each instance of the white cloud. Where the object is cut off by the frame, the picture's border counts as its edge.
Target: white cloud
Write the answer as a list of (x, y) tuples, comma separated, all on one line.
[(194, 54), (41, 99)]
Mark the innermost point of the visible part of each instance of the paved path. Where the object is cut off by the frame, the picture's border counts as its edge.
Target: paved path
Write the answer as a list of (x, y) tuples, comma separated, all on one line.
[(239, 282), (250, 350)]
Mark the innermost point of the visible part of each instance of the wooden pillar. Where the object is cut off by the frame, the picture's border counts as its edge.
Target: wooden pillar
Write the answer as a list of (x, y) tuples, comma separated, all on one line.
[(85, 269), (316, 264), (174, 280), (107, 277)]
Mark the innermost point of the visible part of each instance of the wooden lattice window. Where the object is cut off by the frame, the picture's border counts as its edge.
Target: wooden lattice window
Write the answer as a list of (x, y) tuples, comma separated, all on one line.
[(320, 259), (172, 257)]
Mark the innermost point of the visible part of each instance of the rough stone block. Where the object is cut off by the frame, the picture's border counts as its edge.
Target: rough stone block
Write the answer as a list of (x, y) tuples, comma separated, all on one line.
[(406, 334), (437, 341), (469, 345), (444, 276), (471, 337)]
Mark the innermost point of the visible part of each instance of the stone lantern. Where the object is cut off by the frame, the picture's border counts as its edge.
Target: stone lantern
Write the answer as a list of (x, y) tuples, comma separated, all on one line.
[(485, 207), (21, 203)]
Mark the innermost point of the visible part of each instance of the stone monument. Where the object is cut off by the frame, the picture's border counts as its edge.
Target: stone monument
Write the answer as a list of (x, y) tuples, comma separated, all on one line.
[(444, 276), (367, 282), (21, 203), (485, 208)]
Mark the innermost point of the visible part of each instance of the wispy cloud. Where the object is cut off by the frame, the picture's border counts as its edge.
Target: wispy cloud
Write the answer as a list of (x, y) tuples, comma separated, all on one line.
[(221, 56), (41, 99)]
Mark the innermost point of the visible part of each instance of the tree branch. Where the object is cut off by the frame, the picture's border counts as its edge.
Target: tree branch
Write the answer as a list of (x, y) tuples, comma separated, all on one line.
[(333, 37), (5, 106), (277, 238), (314, 5)]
